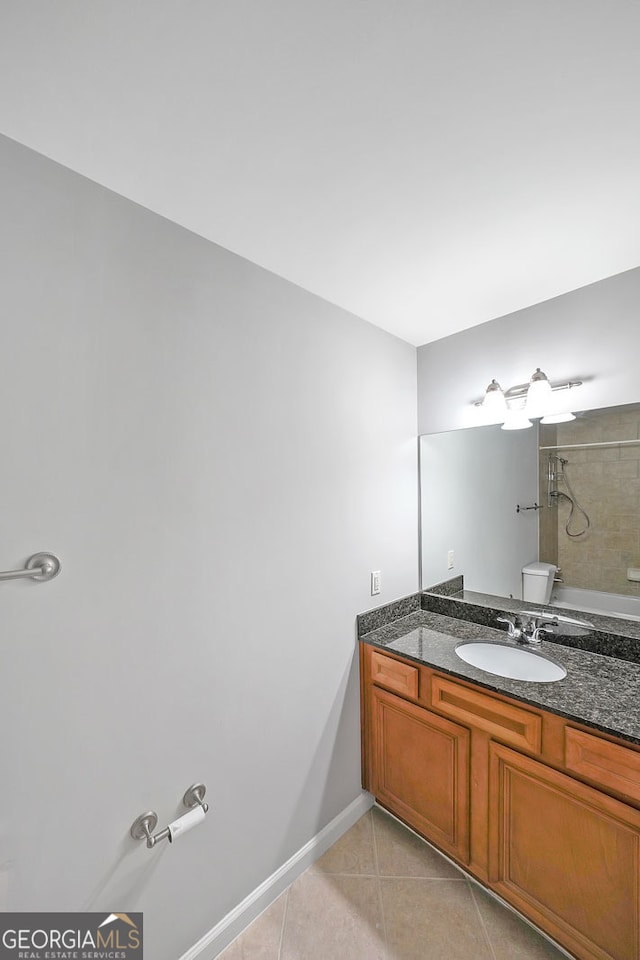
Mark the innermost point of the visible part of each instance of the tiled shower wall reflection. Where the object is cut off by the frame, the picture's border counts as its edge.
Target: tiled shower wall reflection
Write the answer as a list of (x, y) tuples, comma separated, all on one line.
[(606, 482)]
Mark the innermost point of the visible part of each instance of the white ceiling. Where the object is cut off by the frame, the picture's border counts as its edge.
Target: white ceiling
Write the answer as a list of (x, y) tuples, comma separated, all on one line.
[(426, 164)]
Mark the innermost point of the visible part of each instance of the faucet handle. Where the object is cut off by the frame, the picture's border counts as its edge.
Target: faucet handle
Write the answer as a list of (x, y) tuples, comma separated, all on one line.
[(513, 632), (536, 631), (534, 623), (537, 615)]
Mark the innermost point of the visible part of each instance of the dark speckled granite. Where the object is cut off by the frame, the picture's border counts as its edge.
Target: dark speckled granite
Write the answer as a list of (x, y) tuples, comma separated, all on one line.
[(448, 587), (373, 619), (599, 691), (618, 626), (612, 636), (455, 607)]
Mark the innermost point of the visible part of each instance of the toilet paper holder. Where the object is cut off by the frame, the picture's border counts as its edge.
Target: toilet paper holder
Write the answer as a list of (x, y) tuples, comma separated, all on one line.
[(143, 826)]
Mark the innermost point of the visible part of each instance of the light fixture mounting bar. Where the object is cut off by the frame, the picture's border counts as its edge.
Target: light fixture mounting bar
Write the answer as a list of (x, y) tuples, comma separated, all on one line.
[(519, 392)]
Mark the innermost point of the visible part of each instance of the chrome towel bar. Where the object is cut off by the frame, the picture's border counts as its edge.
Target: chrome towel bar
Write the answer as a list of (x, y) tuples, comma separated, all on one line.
[(41, 566)]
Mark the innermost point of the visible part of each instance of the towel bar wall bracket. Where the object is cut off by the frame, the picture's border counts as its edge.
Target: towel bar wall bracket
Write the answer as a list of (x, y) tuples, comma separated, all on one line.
[(41, 566)]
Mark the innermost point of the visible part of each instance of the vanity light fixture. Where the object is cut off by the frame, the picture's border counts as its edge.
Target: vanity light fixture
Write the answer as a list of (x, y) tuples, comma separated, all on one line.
[(536, 399), (558, 417), (516, 420), (539, 394), (557, 412), (494, 399)]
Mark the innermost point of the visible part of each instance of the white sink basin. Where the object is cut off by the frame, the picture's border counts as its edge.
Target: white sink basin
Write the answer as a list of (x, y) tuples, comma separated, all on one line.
[(516, 663)]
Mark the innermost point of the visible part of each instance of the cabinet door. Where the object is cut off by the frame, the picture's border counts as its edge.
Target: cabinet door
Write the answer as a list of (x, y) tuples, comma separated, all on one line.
[(421, 770), (566, 855)]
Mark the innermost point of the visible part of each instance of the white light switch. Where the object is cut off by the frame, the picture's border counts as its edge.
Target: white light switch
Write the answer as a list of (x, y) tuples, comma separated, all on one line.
[(376, 580), (450, 559)]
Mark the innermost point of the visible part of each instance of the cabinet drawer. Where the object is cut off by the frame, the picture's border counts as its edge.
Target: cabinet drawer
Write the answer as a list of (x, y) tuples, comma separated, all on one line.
[(393, 675), (612, 766), (506, 722)]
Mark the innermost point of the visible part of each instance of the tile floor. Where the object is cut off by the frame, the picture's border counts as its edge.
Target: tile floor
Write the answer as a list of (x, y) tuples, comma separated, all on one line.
[(381, 893)]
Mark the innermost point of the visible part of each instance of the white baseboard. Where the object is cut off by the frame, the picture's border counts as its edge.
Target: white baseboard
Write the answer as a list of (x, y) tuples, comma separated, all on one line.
[(252, 906)]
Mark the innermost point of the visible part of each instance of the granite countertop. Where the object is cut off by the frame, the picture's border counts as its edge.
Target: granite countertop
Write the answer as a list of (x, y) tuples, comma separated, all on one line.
[(599, 691), (620, 626)]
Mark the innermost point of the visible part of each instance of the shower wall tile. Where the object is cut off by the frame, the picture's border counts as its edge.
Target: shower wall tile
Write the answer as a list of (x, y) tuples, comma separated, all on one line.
[(601, 454), (606, 481), (547, 520), (623, 468), (628, 453)]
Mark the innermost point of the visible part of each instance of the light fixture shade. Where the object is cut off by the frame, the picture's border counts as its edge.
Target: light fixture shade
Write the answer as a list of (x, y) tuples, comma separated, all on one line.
[(516, 420), (558, 417), (494, 400), (539, 395), (557, 411)]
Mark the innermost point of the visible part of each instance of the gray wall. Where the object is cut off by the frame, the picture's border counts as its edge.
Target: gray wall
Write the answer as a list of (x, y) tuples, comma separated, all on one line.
[(591, 334), (220, 459), (472, 482)]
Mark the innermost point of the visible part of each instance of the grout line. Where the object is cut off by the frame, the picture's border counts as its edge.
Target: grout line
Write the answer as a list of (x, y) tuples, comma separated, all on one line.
[(427, 843), (378, 883), (388, 876), (412, 876), (481, 918), (475, 884), (507, 908), (284, 920)]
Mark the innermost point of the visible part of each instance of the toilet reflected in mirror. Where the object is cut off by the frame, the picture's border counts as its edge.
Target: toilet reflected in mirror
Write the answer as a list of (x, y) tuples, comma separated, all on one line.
[(537, 581)]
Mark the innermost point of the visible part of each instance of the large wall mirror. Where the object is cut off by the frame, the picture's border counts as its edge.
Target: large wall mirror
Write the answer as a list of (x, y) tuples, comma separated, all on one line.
[(494, 501)]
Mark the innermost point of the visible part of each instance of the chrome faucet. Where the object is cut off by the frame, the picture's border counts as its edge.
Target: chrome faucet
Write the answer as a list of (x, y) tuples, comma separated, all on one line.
[(527, 627)]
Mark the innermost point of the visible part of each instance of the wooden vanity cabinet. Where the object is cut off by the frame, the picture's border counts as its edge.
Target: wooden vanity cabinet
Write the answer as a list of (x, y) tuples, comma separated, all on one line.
[(566, 855), (415, 762), (421, 770), (541, 810)]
